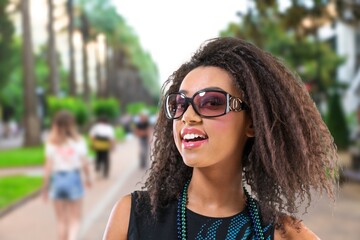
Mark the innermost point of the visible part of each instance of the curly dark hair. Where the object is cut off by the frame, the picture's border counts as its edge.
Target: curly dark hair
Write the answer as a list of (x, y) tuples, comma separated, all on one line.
[(292, 152)]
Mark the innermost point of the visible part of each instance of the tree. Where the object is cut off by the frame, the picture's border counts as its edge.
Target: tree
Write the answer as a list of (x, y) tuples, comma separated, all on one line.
[(85, 34), (31, 120), (292, 36), (283, 34), (121, 41), (52, 56), (72, 80), (6, 51), (336, 122)]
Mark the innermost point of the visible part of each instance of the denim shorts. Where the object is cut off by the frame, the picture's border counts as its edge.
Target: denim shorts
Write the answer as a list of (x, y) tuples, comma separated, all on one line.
[(66, 186)]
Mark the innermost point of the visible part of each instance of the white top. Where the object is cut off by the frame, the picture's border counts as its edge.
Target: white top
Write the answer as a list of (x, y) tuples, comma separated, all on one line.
[(102, 130), (68, 156)]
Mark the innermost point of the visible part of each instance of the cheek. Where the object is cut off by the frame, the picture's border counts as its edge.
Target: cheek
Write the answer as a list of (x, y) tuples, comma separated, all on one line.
[(222, 126), (228, 132)]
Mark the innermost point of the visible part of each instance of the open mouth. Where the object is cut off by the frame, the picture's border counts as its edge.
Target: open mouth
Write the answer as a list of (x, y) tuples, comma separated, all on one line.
[(191, 137)]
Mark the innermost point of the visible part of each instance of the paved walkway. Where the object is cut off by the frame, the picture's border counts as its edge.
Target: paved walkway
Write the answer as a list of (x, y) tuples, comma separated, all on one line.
[(35, 220)]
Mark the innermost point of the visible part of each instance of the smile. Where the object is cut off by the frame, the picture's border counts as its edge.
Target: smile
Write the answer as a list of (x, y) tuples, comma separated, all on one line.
[(191, 141), (192, 138)]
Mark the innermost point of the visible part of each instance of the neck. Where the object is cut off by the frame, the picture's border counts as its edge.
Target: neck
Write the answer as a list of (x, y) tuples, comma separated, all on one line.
[(220, 196)]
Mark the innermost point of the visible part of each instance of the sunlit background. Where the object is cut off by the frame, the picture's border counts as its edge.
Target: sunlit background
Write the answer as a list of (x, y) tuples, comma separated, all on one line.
[(103, 57)]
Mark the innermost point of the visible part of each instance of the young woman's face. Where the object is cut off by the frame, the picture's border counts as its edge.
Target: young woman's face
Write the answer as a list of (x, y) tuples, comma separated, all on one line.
[(205, 142)]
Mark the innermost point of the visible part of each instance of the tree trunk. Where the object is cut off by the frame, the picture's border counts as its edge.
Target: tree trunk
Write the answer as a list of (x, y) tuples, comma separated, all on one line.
[(85, 72), (52, 56), (99, 79), (31, 119), (72, 80), (109, 64), (85, 38)]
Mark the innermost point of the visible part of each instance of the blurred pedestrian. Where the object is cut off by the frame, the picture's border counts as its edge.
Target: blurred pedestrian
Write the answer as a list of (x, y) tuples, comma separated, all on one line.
[(102, 135), (239, 146), (142, 129), (66, 163), (126, 122)]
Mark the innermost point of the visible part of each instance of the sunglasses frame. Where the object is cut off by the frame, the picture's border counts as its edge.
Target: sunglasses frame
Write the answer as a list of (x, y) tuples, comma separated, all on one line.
[(233, 103)]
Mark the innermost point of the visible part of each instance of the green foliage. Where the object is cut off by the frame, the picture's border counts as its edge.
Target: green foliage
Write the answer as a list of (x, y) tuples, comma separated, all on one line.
[(315, 61), (135, 108), (124, 38), (11, 94), (74, 105), (153, 110), (16, 157), (120, 133), (106, 107), (42, 71), (14, 188), (336, 122), (103, 18)]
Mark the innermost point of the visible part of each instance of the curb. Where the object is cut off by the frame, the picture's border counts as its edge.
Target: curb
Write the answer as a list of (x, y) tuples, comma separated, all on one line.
[(20, 202)]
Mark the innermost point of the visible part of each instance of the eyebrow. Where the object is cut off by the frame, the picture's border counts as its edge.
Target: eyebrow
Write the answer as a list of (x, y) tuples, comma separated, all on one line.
[(204, 90)]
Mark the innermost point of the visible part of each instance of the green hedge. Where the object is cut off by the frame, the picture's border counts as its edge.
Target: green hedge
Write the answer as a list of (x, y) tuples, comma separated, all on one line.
[(106, 108), (136, 107), (74, 105)]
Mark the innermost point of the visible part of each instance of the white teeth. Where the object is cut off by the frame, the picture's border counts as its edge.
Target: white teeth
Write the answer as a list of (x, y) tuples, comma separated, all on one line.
[(191, 136)]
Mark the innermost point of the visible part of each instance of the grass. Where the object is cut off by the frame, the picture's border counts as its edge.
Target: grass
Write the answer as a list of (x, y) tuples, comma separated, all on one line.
[(22, 157), (14, 188)]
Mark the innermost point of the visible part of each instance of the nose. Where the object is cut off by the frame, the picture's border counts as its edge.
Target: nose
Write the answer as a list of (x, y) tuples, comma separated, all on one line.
[(190, 116)]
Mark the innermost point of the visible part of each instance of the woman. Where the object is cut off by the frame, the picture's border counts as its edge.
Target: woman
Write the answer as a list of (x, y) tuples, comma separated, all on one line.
[(238, 143), (66, 157)]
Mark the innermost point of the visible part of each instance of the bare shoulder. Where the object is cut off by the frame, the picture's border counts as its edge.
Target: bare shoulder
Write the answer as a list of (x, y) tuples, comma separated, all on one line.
[(294, 230), (118, 223)]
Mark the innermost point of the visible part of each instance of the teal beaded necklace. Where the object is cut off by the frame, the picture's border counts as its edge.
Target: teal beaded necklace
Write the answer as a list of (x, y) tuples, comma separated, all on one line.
[(181, 215)]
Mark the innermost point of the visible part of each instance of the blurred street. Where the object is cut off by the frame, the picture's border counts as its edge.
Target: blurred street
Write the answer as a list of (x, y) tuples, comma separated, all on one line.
[(35, 219)]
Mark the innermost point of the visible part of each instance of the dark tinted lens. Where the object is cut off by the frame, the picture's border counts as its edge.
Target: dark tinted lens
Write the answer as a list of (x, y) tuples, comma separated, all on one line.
[(210, 104), (176, 105)]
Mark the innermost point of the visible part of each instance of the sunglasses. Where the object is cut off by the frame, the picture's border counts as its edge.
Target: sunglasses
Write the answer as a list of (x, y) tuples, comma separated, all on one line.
[(206, 103)]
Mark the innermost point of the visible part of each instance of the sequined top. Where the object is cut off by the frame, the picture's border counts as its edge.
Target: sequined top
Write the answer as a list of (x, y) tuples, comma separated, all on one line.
[(143, 226)]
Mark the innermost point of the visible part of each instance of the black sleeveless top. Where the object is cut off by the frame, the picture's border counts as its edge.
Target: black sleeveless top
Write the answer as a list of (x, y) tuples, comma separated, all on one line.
[(143, 226)]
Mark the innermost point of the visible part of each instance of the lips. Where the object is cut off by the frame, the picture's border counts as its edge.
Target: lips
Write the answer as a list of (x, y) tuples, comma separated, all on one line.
[(193, 138)]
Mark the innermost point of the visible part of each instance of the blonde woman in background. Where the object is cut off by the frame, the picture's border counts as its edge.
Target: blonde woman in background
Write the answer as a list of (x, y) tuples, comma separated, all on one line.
[(66, 158)]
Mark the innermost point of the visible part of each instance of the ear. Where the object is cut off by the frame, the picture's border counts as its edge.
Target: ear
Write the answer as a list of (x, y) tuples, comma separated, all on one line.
[(250, 132)]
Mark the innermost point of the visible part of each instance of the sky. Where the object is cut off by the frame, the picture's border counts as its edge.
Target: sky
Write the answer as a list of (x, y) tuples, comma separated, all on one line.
[(171, 30)]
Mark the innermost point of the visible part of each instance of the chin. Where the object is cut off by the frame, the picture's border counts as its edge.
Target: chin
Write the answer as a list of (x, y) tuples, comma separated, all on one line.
[(191, 162)]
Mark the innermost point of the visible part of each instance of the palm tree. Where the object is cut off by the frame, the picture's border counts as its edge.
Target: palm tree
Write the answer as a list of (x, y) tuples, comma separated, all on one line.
[(7, 31), (72, 80), (52, 56), (99, 75), (31, 120), (85, 34), (95, 17)]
